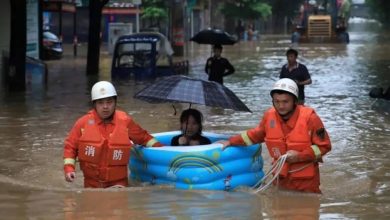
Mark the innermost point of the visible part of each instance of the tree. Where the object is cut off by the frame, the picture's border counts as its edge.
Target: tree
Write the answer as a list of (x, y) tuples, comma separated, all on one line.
[(17, 57), (95, 17), (282, 10), (154, 11), (380, 10), (246, 9)]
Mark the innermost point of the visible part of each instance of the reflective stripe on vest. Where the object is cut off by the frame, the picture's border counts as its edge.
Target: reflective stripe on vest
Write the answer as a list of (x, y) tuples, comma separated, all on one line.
[(316, 151), (69, 161), (151, 142), (246, 139)]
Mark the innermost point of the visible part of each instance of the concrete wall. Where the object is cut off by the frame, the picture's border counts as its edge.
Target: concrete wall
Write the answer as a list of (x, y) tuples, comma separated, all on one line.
[(5, 29)]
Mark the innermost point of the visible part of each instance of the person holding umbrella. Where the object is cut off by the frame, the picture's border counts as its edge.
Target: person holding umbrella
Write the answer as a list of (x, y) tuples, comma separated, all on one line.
[(218, 67), (291, 131)]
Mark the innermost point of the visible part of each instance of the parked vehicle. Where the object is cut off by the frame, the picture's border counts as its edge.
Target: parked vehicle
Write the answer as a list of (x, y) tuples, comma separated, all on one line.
[(144, 55), (322, 22), (52, 46)]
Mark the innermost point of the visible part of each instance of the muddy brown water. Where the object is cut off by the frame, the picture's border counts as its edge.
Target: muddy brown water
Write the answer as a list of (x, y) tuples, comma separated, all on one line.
[(355, 175)]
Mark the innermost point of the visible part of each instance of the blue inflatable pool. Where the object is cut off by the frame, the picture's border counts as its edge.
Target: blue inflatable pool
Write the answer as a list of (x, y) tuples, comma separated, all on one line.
[(197, 167)]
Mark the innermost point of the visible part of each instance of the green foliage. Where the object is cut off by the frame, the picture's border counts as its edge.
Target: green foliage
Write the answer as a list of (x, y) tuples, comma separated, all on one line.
[(284, 8), (154, 10), (380, 11), (246, 9), (154, 13)]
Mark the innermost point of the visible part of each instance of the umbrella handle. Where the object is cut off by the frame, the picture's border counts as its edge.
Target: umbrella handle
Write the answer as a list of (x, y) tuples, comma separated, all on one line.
[(185, 129), (174, 108)]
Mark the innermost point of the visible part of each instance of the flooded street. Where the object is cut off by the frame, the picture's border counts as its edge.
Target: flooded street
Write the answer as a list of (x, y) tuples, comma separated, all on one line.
[(355, 175)]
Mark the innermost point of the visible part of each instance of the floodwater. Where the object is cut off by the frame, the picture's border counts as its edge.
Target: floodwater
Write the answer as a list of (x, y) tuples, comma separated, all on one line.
[(355, 175)]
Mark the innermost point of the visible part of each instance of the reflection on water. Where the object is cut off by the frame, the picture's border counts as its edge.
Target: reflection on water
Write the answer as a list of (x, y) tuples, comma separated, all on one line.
[(355, 174)]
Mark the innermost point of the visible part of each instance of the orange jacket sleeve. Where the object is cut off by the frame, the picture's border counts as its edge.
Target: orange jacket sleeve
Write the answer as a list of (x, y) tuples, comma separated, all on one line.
[(249, 137), (71, 145), (140, 136), (319, 138)]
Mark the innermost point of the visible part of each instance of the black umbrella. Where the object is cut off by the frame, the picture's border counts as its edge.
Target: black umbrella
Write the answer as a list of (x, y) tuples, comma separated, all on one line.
[(214, 36), (194, 91)]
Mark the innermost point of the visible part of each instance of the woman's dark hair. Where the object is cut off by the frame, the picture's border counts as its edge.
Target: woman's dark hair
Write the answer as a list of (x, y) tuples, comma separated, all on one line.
[(194, 113), (292, 51), (218, 46)]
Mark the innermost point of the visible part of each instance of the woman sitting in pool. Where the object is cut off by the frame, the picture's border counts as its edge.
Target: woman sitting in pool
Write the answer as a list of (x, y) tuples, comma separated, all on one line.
[(191, 127)]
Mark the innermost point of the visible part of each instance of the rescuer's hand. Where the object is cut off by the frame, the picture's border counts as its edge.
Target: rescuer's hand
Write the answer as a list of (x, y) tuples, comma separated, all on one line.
[(70, 176), (225, 144), (292, 156)]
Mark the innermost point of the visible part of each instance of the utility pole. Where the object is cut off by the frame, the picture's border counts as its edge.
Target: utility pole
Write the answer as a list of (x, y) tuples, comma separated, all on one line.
[(137, 3), (94, 39), (16, 75), (178, 27)]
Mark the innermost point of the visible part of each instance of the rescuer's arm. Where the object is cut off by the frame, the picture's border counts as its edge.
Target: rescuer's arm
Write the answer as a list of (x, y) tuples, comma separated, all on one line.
[(70, 151), (140, 136), (320, 141), (246, 138), (229, 68)]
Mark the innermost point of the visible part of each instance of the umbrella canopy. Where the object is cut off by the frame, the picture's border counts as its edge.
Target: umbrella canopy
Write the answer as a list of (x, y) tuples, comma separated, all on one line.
[(193, 91), (214, 36)]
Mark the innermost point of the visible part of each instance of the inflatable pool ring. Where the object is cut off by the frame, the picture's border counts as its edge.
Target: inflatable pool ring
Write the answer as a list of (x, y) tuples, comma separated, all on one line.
[(197, 167)]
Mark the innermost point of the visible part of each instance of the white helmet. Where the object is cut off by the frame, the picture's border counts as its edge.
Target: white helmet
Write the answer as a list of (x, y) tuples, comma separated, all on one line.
[(102, 89), (287, 85)]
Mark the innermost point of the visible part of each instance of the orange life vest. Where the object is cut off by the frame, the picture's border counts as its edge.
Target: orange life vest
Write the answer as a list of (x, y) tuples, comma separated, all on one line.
[(298, 139), (101, 159)]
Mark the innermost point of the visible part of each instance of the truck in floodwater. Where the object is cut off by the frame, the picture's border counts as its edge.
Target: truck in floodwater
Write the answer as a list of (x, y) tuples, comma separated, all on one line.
[(144, 55), (322, 21)]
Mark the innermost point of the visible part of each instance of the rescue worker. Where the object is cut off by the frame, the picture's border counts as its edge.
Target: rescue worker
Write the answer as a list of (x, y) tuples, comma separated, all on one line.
[(297, 72), (292, 129), (217, 66), (102, 139)]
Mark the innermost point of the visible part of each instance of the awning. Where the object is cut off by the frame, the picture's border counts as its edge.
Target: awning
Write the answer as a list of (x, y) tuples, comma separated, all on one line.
[(58, 5)]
